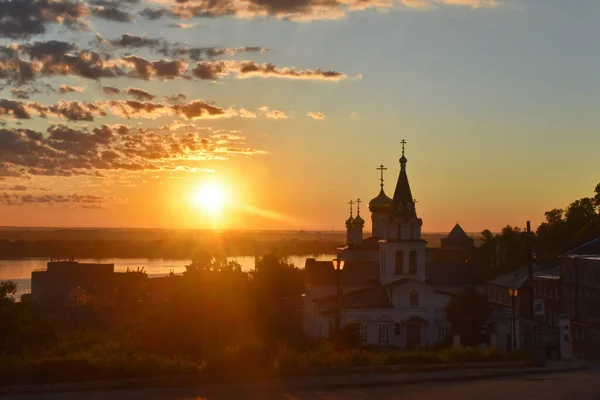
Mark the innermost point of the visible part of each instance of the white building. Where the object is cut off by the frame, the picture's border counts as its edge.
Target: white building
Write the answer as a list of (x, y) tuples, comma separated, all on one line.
[(389, 283)]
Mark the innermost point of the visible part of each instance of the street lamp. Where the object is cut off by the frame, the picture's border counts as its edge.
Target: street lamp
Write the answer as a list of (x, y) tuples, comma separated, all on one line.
[(513, 292), (338, 266)]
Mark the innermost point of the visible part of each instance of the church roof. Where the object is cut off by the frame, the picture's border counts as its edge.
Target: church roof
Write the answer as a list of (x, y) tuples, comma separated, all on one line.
[(403, 204), (457, 238), (355, 273), (364, 298), (458, 233)]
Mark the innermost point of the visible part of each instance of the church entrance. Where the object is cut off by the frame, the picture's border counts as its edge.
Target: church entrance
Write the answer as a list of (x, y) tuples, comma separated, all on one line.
[(413, 335)]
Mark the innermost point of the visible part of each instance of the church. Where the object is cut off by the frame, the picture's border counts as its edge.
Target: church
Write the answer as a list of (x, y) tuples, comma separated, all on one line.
[(390, 284)]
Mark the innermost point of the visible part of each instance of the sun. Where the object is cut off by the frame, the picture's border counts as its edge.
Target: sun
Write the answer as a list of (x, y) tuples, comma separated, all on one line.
[(210, 197)]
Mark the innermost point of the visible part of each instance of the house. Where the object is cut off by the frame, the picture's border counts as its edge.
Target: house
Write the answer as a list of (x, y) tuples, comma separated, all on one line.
[(391, 285), (580, 288)]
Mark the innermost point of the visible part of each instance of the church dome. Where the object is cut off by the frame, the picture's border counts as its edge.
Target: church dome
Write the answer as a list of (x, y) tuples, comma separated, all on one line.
[(349, 221), (380, 204), (358, 221)]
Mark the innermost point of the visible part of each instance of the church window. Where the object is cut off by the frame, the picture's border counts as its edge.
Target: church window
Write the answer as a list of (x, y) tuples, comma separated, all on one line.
[(413, 299), (383, 334), (412, 264), (399, 262), (363, 333)]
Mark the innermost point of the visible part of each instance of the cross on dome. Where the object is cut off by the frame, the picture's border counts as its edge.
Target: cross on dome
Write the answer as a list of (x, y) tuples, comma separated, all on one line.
[(381, 168)]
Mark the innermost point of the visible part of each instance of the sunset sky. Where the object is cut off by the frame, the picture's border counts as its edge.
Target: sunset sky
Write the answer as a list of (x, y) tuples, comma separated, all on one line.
[(119, 113)]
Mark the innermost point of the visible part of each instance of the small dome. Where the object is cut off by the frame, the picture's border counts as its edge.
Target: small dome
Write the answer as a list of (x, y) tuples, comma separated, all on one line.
[(380, 204), (358, 221), (349, 221)]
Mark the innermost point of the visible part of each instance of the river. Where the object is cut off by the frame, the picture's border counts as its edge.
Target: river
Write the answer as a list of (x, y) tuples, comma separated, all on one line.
[(19, 271)]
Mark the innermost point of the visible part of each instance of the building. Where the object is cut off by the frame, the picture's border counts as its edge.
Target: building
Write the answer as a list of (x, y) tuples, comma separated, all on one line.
[(580, 278), (392, 285), (68, 281), (508, 310)]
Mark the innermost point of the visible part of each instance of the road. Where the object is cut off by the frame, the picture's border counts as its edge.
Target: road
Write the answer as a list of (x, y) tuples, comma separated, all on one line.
[(581, 385)]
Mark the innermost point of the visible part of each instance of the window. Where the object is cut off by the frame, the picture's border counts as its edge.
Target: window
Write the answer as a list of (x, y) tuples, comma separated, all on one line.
[(441, 332), (412, 263), (413, 299), (363, 333), (399, 262), (383, 334)]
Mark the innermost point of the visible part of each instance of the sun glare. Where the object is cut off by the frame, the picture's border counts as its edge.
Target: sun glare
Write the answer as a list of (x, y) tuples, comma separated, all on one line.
[(210, 197)]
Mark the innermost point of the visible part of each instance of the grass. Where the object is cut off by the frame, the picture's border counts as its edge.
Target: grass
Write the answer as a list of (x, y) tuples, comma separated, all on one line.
[(83, 361)]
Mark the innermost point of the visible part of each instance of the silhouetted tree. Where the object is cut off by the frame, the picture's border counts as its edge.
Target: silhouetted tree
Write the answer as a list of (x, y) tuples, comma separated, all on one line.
[(21, 329), (276, 289), (468, 314)]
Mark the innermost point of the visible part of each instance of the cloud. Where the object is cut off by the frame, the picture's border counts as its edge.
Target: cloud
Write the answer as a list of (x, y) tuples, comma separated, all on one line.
[(132, 41), (131, 109), (289, 10), (182, 26), (24, 18), (176, 98), (65, 151), (111, 13), (273, 114), (71, 200), (213, 70), (429, 4), (20, 94), (110, 90), (140, 94), (163, 69), (316, 115), (68, 89)]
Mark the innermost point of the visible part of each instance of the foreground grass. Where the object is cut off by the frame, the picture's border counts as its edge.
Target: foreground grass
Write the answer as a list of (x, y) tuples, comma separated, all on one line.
[(113, 362)]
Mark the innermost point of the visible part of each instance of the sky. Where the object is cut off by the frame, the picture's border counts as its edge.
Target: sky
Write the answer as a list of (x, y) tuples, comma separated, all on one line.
[(266, 114)]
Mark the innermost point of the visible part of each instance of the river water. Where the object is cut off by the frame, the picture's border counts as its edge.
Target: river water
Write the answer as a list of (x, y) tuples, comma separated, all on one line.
[(19, 271)]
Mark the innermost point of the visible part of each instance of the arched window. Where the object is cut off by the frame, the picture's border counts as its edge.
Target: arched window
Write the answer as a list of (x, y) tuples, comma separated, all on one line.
[(413, 299), (412, 263), (399, 262)]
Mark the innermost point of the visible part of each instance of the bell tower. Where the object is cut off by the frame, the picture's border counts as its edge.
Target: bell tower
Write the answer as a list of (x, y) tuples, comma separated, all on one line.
[(403, 251)]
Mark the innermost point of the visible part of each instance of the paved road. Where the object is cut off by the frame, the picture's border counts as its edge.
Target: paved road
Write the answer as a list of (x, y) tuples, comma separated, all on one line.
[(582, 385)]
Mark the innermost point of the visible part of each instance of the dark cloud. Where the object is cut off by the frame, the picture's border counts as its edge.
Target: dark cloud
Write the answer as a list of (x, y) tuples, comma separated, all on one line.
[(176, 98), (289, 9), (69, 89), (111, 13), (73, 200), (23, 18), (250, 69), (110, 90), (140, 94), (212, 70), (20, 94), (65, 151), (155, 13), (162, 69), (128, 40), (16, 109)]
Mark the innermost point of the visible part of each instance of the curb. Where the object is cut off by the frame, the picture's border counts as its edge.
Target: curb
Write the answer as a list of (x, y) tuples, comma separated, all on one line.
[(458, 375), (455, 378)]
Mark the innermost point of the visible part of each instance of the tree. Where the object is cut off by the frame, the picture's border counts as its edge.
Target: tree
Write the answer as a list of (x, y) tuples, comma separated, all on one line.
[(21, 329), (276, 289), (468, 314)]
